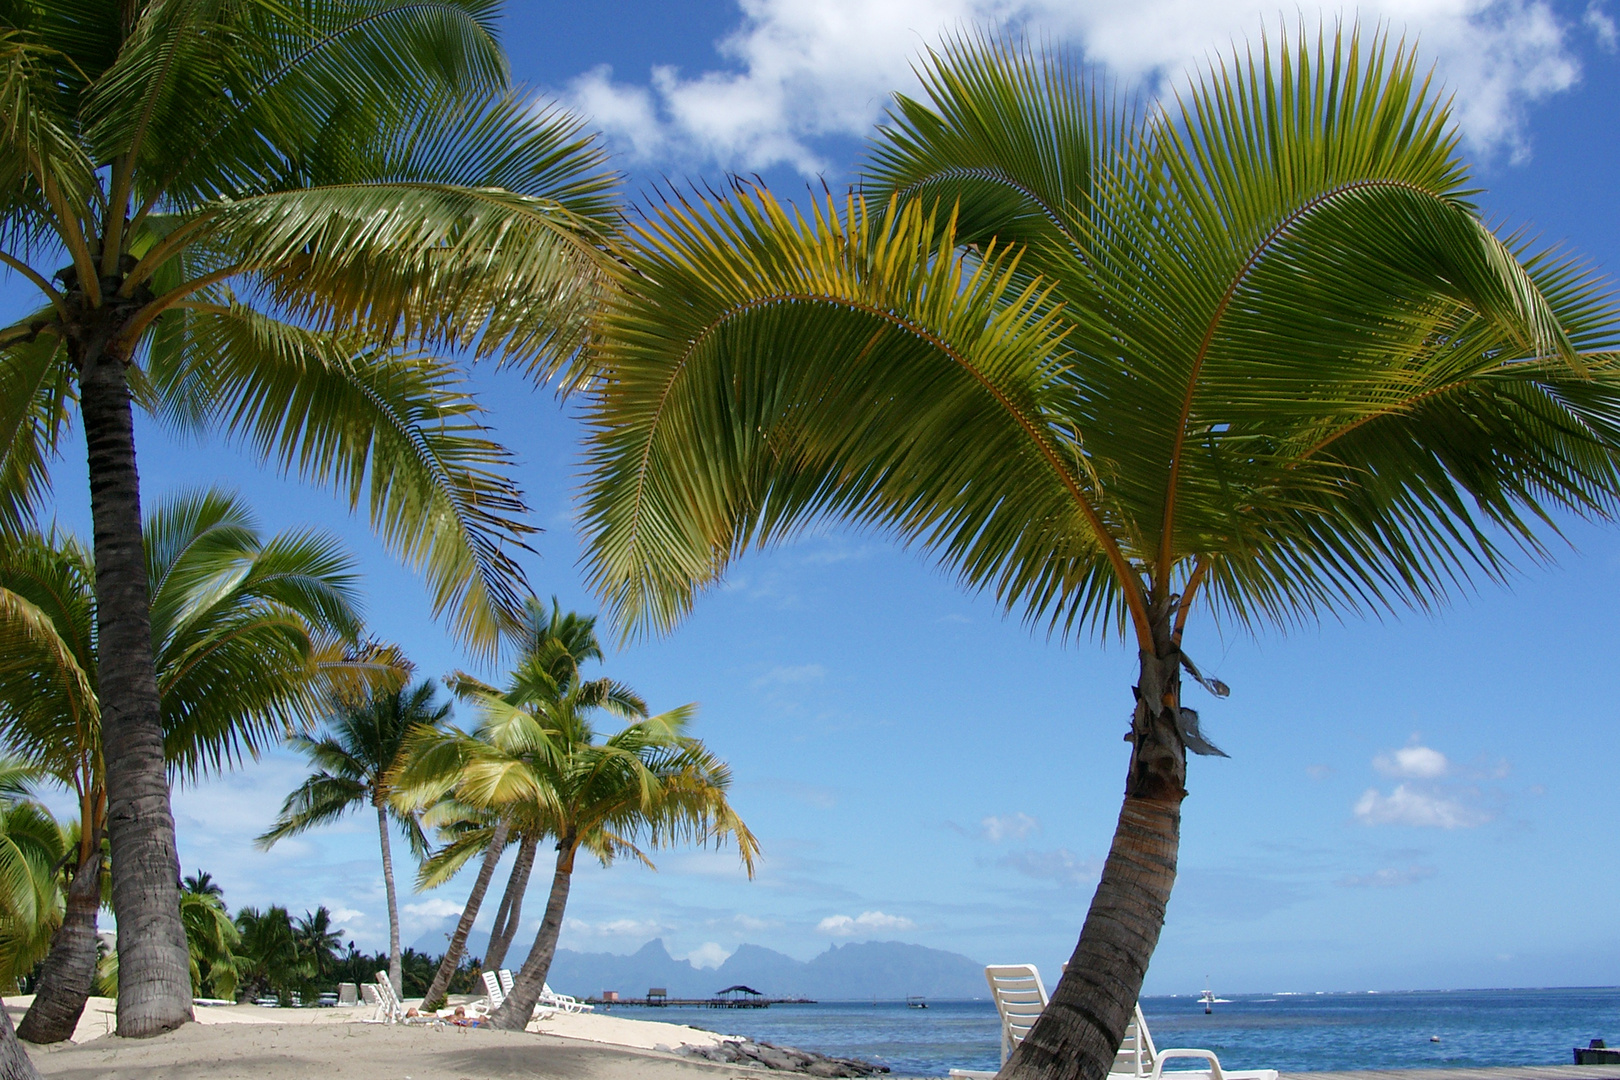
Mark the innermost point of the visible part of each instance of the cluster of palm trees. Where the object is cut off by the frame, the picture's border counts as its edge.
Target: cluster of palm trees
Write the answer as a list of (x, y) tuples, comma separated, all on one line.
[(1249, 351), (533, 769)]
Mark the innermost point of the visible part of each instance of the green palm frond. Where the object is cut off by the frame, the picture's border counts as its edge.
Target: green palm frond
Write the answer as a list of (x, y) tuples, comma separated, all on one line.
[(1257, 348), (396, 433), (35, 395)]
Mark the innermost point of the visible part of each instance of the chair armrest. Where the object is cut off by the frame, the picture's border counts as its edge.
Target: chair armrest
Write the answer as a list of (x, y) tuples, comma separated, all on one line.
[(1206, 1055)]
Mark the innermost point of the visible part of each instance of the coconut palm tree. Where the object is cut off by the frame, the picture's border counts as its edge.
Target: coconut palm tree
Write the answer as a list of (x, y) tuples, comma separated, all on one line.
[(354, 758), (648, 785), (248, 633), (32, 847), (264, 209), (1252, 353), (270, 958), (550, 647), (211, 938)]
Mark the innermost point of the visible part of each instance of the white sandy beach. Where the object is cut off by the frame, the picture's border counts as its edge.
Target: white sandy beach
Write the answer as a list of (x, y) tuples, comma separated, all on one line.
[(254, 1043)]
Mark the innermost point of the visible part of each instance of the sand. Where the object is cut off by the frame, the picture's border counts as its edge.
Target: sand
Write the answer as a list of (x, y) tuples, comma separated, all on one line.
[(246, 1042)]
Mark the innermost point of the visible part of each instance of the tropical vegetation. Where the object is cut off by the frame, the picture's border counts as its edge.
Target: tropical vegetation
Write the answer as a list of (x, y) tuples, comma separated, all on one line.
[(355, 759), (535, 755), (1252, 353), (265, 212), (249, 634)]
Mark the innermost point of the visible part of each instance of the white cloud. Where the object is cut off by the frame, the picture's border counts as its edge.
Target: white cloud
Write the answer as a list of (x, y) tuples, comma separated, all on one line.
[(616, 928), (746, 922), (864, 923), (1388, 877), (431, 909), (1602, 26), (1411, 805), (711, 954), (798, 72), (1061, 866), (1413, 762), (347, 915), (1009, 826)]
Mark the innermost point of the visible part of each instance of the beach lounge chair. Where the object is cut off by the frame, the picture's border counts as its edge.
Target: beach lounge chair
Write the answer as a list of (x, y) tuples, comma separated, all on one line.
[(389, 1009), (1020, 997), (348, 995), (1139, 1059), (494, 991)]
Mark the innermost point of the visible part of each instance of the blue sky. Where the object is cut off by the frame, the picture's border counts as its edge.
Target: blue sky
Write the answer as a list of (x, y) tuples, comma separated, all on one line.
[(1417, 802)]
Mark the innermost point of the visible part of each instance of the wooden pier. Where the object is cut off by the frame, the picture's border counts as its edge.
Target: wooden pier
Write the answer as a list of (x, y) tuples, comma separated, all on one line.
[(718, 1003)]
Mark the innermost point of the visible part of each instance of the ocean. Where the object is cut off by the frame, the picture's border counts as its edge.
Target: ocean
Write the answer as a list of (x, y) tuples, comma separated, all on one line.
[(1288, 1032)]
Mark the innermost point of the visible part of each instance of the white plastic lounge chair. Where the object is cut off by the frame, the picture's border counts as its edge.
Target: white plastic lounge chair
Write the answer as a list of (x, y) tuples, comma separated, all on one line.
[(389, 1009), (494, 991), (549, 1000), (368, 995), (1139, 1059), (348, 995), (1020, 998)]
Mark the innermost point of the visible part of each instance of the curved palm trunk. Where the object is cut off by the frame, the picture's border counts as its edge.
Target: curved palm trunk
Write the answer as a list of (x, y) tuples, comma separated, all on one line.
[(154, 970), (1079, 1033), (511, 909), (458, 942), (14, 1063), (396, 972), (518, 1008), (69, 973)]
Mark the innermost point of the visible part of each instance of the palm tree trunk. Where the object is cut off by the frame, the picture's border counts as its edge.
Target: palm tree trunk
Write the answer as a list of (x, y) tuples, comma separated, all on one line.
[(518, 1008), (1079, 1033), (154, 970), (458, 942), (70, 968), (14, 1063), (511, 910), (396, 973)]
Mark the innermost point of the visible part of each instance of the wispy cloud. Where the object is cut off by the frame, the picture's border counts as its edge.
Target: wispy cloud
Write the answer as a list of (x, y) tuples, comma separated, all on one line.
[(1061, 865), (1389, 877), (795, 73), (1434, 793), (791, 675), (1009, 827), (617, 928), (1410, 805), (866, 922)]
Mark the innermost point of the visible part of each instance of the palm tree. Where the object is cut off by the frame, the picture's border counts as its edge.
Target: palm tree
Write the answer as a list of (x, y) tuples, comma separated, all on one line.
[(270, 958), (248, 633), (32, 847), (318, 942), (265, 208), (364, 737), (551, 646), (534, 758), (211, 938), (1252, 353)]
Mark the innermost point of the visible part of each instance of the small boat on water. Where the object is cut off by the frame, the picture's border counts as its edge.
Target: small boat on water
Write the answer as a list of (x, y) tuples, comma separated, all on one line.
[(1209, 1000), (916, 1001)]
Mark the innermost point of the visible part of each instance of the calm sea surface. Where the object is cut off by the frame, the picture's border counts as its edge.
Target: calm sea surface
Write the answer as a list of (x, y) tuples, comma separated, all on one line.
[(1289, 1032)]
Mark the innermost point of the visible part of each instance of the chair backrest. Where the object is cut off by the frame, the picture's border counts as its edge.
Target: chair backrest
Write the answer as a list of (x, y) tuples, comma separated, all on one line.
[(1137, 1053), (506, 979), (388, 1000), (492, 986), (1020, 997), (348, 994), (368, 994)]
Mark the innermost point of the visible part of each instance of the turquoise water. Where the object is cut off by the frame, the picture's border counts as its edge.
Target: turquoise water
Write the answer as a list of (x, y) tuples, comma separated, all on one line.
[(1287, 1032)]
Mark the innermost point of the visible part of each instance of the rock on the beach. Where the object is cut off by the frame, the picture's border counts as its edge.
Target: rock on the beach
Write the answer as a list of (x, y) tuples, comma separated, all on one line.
[(782, 1059)]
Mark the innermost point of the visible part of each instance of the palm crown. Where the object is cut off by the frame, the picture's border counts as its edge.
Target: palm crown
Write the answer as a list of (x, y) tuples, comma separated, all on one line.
[(1253, 350), (353, 164)]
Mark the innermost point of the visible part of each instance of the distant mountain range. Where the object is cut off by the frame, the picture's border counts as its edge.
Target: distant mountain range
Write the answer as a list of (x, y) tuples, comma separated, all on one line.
[(883, 969)]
